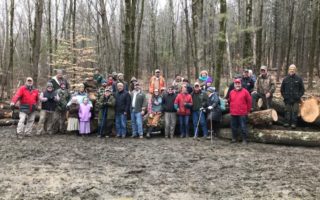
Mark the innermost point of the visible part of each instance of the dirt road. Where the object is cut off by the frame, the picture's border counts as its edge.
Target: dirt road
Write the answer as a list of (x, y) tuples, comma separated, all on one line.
[(72, 167)]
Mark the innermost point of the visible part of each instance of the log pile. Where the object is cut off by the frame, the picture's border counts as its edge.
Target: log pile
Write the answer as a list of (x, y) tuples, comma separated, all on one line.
[(286, 137)]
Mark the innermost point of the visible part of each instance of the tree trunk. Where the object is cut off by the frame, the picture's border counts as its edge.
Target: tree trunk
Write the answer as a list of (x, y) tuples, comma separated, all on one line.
[(259, 37), (275, 35), (49, 39), (247, 50), (291, 17), (137, 51), (74, 11), (36, 42), (221, 43), (11, 51), (313, 43), (271, 136), (188, 39), (195, 32)]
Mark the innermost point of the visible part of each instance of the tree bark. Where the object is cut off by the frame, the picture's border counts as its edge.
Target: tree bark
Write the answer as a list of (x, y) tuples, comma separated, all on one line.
[(36, 41), (74, 11), (291, 18), (259, 37), (313, 43), (11, 51), (49, 39), (137, 51), (247, 54), (221, 43)]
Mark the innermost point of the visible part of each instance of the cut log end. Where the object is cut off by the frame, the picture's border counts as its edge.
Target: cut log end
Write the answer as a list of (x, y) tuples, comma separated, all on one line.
[(310, 110), (274, 115)]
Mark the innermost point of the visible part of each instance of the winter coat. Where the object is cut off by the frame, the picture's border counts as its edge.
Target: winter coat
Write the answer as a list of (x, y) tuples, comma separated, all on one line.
[(51, 100), (292, 89), (28, 98), (56, 83), (183, 103), (107, 103), (73, 110), (240, 102), (265, 84), (140, 102), (247, 83), (155, 104), (84, 112), (215, 114), (64, 99), (168, 102), (199, 100), (161, 83), (123, 102)]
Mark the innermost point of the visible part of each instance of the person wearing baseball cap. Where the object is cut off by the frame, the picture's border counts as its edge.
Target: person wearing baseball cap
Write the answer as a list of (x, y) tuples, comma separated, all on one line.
[(292, 89), (120, 79), (29, 98), (200, 100), (156, 82), (264, 88), (58, 79), (240, 106), (170, 116), (214, 111)]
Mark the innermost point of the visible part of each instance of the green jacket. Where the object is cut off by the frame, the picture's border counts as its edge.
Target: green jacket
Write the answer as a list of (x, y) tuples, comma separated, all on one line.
[(141, 102), (108, 103), (199, 100), (64, 96)]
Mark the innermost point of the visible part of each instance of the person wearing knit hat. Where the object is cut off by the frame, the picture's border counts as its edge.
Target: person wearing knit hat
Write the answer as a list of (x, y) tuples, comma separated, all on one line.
[(133, 81), (61, 109), (48, 99), (214, 111), (264, 88), (292, 89)]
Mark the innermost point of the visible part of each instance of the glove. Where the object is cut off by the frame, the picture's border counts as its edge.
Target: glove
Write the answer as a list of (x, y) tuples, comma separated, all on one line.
[(210, 108), (12, 105), (202, 109), (44, 99)]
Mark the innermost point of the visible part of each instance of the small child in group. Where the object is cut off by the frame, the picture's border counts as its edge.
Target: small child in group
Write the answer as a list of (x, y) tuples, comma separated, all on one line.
[(73, 118), (84, 117)]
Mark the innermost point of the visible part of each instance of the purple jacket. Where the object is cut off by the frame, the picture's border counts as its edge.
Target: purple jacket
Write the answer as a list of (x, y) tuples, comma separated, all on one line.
[(84, 112)]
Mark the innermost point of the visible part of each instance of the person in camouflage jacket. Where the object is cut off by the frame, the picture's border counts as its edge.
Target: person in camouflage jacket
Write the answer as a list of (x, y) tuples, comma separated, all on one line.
[(106, 105), (61, 109)]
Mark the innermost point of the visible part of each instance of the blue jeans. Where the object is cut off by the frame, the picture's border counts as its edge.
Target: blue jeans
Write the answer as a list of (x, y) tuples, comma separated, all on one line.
[(184, 125), (203, 123), (121, 124), (239, 122), (136, 123)]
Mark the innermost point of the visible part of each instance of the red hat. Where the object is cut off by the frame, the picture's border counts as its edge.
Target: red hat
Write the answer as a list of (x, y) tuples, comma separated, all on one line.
[(237, 80)]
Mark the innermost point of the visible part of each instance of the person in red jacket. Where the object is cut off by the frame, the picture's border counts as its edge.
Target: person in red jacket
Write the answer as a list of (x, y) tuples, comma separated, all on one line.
[(183, 104), (28, 97), (240, 105)]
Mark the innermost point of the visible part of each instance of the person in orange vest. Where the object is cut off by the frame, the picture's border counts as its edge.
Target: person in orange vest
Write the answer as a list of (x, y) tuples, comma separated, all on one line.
[(156, 82)]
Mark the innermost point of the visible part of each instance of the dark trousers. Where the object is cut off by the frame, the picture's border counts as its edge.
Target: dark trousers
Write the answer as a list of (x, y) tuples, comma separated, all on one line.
[(291, 114), (239, 122), (266, 101), (107, 128)]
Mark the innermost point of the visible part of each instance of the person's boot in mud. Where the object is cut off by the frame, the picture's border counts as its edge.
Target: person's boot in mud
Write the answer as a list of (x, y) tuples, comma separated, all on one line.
[(149, 132)]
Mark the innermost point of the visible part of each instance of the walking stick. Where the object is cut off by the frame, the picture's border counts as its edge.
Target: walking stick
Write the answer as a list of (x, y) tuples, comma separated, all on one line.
[(197, 128)]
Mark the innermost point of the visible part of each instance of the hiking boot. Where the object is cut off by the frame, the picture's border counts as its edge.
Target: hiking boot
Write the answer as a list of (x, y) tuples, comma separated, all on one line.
[(171, 136), (166, 137), (182, 136), (123, 136), (244, 142), (148, 135), (99, 136), (286, 125), (140, 137), (293, 126), (134, 136), (118, 136)]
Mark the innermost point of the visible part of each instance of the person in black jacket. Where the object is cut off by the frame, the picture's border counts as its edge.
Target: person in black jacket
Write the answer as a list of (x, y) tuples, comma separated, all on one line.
[(170, 116), (49, 99), (292, 89), (122, 109)]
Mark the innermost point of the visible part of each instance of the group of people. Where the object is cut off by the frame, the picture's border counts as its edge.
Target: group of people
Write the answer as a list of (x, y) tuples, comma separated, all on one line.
[(117, 101)]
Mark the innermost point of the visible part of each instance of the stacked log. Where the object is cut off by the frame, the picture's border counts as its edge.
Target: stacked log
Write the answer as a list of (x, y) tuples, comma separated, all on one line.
[(310, 111), (286, 137), (258, 118)]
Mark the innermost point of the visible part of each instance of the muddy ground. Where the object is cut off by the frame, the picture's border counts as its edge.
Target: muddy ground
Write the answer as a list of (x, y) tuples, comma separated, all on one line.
[(72, 167)]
